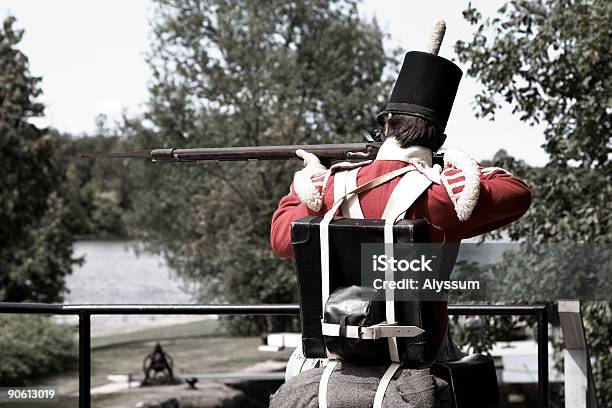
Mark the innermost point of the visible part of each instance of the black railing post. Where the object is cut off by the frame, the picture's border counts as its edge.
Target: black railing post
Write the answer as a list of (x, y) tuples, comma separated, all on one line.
[(543, 357), (84, 360)]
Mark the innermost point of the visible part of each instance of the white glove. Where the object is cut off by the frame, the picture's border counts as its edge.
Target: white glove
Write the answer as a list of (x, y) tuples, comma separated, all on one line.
[(309, 158), (310, 192)]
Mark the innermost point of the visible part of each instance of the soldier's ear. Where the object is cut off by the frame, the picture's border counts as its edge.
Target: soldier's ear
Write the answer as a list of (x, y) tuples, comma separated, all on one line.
[(387, 130)]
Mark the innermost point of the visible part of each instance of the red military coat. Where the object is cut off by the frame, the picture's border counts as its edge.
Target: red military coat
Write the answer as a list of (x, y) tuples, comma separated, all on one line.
[(467, 200)]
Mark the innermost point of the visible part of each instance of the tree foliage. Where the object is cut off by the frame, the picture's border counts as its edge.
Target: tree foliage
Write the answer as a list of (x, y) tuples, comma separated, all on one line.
[(231, 73), (97, 191), (35, 243), (550, 60)]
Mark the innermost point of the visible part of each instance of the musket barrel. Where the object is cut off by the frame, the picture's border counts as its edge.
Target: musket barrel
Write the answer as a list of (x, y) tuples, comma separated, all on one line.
[(323, 151)]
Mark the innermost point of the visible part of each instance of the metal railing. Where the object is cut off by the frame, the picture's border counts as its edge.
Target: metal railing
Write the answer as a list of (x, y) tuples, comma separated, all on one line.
[(86, 311)]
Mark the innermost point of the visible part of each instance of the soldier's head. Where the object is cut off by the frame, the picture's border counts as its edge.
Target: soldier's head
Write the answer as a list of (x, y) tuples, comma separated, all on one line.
[(421, 101), (411, 130)]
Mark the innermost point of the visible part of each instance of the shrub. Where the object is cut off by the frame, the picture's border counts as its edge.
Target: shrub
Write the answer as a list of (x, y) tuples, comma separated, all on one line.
[(32, 346)]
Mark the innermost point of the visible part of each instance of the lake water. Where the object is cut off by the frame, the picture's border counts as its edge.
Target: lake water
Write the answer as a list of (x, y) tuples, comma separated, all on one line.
[(114, 273)]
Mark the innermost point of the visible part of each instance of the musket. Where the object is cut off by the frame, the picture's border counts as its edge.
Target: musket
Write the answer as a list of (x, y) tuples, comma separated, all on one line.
[(325, 152)]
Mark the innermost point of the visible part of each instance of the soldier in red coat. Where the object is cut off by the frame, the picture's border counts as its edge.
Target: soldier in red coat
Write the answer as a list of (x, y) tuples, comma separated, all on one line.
[(459, 199)]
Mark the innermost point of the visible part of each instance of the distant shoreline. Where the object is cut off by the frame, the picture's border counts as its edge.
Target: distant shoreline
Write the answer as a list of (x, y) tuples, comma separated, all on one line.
[(167, 321), (162, 321)]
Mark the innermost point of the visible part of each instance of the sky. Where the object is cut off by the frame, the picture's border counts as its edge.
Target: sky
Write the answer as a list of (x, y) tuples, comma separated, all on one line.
[(91, 56)]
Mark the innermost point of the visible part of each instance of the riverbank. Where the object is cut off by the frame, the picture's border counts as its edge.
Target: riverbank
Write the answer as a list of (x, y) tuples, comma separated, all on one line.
[(141, 325)]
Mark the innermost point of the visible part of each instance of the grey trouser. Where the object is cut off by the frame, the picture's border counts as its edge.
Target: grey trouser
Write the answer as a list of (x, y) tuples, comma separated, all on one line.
[(354, 386)]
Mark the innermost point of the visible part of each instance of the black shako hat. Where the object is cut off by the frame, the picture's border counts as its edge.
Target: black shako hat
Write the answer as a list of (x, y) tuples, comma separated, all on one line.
[(426, 87)]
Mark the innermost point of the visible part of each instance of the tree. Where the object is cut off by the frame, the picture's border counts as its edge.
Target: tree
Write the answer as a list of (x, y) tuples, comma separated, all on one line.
[(550, 59), (229, 73), (35, 244), (96, 191)]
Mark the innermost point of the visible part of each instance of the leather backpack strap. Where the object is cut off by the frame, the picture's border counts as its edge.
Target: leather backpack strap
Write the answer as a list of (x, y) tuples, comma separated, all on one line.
[(339, 185), (373, 332)]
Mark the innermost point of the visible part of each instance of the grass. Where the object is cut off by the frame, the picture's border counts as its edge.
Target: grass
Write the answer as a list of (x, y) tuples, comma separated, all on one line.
[(195, 347), (192, 329)]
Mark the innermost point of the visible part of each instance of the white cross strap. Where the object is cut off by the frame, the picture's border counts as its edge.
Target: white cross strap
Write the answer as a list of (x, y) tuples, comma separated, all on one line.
[(384, 383), (327, 372), (374, 332)]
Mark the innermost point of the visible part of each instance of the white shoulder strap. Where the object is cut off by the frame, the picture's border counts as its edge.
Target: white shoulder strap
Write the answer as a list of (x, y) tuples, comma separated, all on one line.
[(351, 207), (406, 192), (345, 181), (339, 185)]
